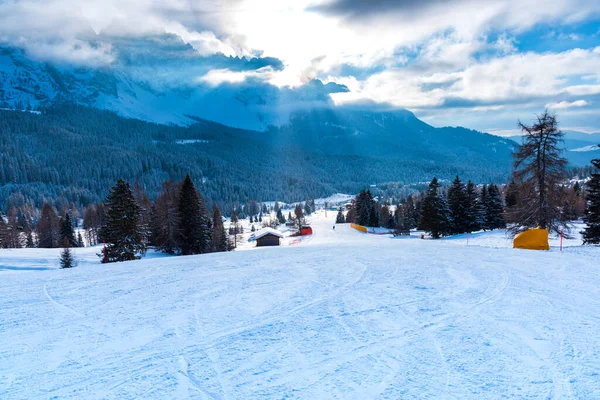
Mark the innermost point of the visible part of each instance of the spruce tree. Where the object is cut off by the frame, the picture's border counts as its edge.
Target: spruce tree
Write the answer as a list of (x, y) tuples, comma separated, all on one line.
[(67, 259), (481, 209), (591, 233), (123, 232), (494, 208), (339, 219), (434, 212), (365, 213), (472, 212), (194, 232), (458, 205), (67, 233), (220, 240), (280, 216)]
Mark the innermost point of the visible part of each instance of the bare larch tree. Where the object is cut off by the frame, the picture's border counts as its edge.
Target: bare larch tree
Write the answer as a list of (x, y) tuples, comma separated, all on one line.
[(539, 170)]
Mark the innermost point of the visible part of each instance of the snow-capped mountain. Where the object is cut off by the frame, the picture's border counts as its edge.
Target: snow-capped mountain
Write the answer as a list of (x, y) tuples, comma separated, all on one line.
[(160, 79)]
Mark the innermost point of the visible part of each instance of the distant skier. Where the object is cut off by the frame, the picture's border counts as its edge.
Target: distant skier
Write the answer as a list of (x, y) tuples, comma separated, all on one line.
[(334, 227)]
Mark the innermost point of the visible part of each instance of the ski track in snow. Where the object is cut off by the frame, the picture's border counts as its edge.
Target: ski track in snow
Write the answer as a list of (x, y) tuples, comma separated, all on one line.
[(341, 315)]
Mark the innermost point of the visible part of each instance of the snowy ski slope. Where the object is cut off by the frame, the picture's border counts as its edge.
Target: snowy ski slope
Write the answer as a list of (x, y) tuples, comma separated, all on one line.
[(343, 315)]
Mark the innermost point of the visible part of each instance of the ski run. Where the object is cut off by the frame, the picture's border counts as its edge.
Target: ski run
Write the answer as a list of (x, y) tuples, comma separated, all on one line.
[(339, 315)]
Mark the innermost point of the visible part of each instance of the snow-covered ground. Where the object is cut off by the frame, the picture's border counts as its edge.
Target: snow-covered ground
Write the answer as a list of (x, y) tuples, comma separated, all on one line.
[(343, 315)]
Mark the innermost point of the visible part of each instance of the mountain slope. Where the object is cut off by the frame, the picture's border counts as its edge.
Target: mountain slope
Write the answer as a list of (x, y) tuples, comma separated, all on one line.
[(580, 147), (80, 152)]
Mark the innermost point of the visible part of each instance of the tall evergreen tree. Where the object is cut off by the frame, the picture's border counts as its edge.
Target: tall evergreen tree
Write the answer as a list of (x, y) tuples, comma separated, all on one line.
[(458, 205), (124, 235), (194, 223), (67, 233), (591, 233), (494, 208), (481, 208), (434, 211), (220, 241), (473, 217), (365, 213)]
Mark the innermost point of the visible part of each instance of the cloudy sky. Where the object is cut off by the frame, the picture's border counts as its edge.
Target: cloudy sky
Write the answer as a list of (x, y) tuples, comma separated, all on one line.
[(480, 64)]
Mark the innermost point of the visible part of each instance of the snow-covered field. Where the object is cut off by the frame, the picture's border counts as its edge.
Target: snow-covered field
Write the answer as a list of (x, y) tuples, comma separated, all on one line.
[(343, 315)]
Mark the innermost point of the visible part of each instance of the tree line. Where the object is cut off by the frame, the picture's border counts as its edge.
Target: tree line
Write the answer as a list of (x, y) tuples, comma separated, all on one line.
[(538, 195)]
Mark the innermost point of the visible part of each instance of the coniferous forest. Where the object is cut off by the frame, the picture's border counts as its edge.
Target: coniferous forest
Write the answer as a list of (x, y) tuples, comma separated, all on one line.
[(75, 154)]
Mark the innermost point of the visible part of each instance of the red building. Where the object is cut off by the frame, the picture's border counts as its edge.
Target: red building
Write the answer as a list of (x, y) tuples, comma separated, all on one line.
[(306, 230)]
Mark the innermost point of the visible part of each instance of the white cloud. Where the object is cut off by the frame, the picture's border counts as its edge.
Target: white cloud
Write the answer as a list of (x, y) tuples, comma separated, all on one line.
[(567, 104), (216, 77)]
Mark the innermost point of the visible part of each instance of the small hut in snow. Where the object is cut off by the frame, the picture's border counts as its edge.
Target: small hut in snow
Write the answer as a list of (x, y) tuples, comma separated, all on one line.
[(267, 237)]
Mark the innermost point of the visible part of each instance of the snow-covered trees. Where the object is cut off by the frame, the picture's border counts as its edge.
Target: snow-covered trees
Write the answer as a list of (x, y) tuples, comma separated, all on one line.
[(591, 233), (434, 212), (123, 233), (539, 170)]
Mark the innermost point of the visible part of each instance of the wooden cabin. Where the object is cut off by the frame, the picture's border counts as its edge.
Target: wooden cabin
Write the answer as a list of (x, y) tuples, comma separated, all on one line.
[(268, 237)]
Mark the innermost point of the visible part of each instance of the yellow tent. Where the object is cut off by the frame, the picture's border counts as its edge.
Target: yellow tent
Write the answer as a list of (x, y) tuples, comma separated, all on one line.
[(532, 239)]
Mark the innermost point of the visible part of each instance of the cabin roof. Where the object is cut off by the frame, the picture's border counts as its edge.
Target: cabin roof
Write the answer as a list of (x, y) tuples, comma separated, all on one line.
[(267, 231)]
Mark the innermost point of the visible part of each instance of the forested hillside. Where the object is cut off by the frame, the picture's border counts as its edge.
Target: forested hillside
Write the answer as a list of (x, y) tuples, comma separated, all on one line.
[(80, 152)]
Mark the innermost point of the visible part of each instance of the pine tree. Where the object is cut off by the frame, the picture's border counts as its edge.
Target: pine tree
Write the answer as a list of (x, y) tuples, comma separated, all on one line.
[(458, 204), (481, 209), (220, 241), (339, 219), (299, 214), (434, 212), (280, 216), (67, 259), (67, 233), (365, 215), (194, 224), (374, 215), (591, 233), (473, 220), (494, 208), (123, 233)]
